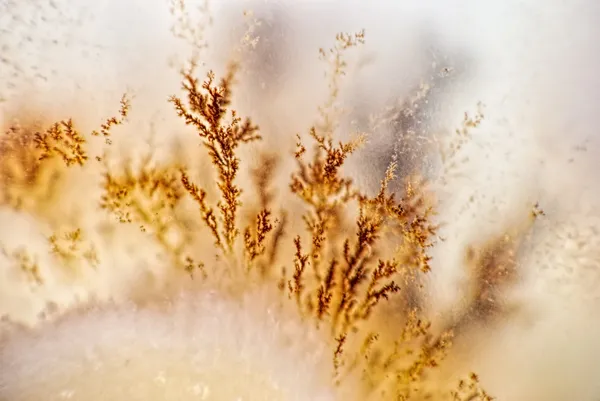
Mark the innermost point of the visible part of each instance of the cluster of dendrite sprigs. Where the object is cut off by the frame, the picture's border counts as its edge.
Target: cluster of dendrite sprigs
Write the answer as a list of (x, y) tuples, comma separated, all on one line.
[(356, 254)]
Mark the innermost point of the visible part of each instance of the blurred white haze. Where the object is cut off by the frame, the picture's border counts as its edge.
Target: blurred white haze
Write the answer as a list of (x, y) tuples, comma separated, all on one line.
[(533, 64)]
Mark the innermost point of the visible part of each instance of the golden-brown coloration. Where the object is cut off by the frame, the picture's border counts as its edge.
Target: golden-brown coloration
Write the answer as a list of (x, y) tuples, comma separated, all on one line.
[(336, 259)]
